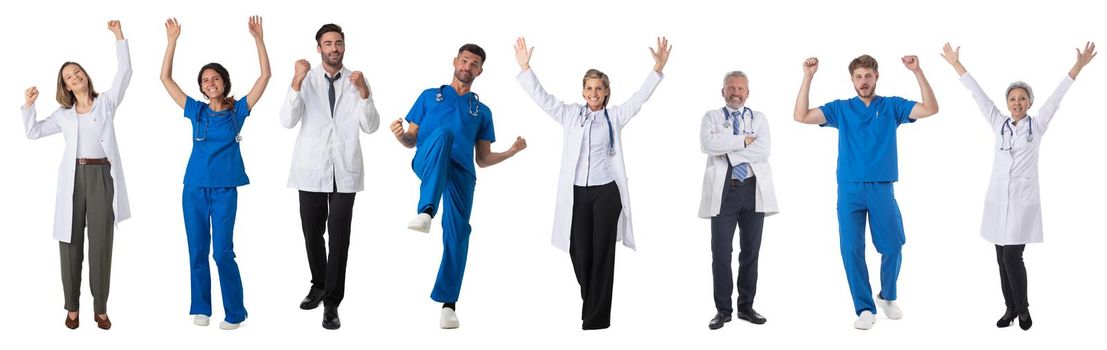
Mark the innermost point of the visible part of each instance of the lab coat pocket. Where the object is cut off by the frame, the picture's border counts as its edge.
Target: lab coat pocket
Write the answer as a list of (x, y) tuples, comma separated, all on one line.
[(351, 157), (1024, 190), (309, 153)]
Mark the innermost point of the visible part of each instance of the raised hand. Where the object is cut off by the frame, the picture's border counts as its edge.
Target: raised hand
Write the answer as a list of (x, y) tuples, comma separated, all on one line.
[(172, 29), (519, 145), (1083, 58), (953, 56), (255, 27), (661, 55), (358, 80), (810, 66), (116, 28), (911, 62), (31, 94), (302, 68), (522, 53), (397, 128)]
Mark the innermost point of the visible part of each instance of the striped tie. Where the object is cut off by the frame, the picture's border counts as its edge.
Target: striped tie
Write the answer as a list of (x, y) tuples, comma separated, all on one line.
[(741, 170)]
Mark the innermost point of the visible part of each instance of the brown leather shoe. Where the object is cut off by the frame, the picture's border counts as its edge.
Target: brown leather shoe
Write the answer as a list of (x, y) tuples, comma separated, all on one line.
[(102, 322), (71, 323)]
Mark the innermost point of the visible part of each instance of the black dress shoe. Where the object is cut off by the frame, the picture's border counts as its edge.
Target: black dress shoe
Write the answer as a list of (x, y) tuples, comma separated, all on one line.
[(1024, 320), (330, 317), (1007, 319), (718, 321), (751, 316), (312, 300)]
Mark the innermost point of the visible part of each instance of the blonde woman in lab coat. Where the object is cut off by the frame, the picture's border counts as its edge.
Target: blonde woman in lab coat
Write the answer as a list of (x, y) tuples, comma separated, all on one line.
[(1012, 209), (91, 191), (593, 204)]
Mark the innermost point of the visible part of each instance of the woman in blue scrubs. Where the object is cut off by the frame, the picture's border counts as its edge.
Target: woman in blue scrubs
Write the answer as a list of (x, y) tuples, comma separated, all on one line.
[(215, 170)]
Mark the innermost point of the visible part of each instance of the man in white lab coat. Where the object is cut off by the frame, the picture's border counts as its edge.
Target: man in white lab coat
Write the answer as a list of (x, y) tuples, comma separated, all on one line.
[(332, 103), (737, 193)]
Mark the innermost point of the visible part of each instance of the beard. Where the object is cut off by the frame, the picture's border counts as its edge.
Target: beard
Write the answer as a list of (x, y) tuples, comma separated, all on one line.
[(464, 76), (333, 62), (871, 92)]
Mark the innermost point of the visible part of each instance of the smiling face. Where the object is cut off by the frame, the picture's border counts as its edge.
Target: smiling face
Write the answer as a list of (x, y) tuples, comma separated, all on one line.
[(211, 84), (1018, 102), (595, 93), (74, 78), (467, 67), (332, 48), (864, 82), (735, 91)]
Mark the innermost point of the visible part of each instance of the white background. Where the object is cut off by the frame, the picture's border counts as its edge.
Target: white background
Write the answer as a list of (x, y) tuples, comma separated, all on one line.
[(519, 291)]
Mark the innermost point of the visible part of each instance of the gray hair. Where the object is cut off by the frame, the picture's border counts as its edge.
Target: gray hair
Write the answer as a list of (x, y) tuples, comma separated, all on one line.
[(734, 74), (1020, 85)]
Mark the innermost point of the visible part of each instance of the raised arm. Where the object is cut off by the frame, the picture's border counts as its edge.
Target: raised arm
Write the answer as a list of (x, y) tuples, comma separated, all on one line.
[(1082, 59), (292, 110), (263, 61), (929, 105), (486, 158), (803, 113), (172, 31), (32, 126), (988, 108), (370, 120), (627, 110), (953, 56), (529, 82), (123, 70)]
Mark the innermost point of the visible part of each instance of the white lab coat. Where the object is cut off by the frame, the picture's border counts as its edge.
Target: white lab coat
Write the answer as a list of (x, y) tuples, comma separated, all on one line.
[(328, 149), (719, 143), (65, 121), (1012, 207), (570, 118)]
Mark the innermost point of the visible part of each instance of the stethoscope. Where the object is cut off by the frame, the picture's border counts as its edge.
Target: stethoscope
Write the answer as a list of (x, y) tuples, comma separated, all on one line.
[(475, 98), (206, 122), (1007, 134), (610, 131), (748, 129)]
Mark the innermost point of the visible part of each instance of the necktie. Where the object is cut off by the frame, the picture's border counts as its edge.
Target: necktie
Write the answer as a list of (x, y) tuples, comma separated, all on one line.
[(330, 89), (741, 170)]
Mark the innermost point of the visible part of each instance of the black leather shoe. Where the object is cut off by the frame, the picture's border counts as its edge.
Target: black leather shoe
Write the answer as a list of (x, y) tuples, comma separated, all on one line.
[(1007, 319), (718, 321), (1024, 320), (312, 300), (751, 316), (330, 317)]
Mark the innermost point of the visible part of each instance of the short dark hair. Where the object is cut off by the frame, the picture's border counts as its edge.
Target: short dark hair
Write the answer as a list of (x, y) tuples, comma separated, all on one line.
[(863, 61), (327, 28), (474, 49)]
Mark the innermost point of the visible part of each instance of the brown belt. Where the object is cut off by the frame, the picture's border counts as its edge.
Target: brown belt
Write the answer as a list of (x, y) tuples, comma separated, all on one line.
[(93, 161)]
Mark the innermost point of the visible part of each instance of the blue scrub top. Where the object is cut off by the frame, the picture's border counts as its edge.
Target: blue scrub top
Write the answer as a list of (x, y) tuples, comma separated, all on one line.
[(867, 136), (453, 114), (216, 159)]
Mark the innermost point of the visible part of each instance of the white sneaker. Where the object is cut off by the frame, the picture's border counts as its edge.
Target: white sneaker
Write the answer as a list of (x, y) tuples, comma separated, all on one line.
[(449, 319), (890, 308), (421, 223), (200, 320), (865, 321), (229, 326)]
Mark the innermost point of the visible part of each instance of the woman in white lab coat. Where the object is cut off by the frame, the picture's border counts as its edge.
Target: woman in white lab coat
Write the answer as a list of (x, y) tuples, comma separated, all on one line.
[(91, 191), (1012, 209), (593, 204)]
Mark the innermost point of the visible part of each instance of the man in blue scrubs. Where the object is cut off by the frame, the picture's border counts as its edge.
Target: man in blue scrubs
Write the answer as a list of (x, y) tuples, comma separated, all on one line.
[(445, 125), (867, 167)]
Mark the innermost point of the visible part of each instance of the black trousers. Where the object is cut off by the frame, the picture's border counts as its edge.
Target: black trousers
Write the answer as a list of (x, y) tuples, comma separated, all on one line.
[(738, 210), (592, 237), (320, 212), (1012, 276)]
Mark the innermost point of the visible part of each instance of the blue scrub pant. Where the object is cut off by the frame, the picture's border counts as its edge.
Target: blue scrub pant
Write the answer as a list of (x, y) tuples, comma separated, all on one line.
[(877, 200), (209, 215), (442, 177)]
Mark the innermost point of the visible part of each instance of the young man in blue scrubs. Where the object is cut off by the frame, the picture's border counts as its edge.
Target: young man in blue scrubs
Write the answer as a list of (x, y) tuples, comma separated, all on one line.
[(445, 125), (867, 167)]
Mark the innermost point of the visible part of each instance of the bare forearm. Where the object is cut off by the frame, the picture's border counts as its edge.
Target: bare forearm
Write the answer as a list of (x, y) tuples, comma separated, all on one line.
[(493, 158), (802, 100), (928, 99)]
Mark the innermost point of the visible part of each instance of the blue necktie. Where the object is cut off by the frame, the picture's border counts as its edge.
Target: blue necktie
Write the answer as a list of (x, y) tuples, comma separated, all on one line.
[(741, 170)]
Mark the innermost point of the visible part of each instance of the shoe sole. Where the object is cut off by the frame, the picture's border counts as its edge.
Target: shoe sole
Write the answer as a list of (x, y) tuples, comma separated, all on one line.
[(331, 327), (751, 320), (419, 229)]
